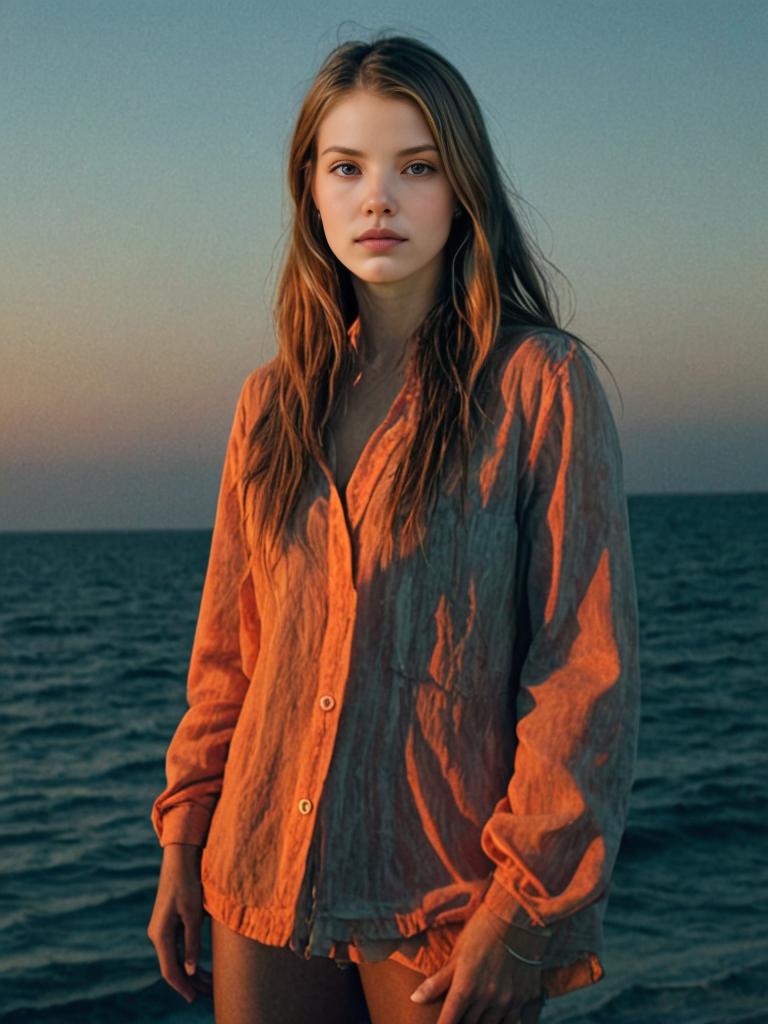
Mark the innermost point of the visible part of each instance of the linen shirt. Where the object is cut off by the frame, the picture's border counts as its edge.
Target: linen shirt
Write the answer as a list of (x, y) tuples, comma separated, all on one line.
[(373, 749)]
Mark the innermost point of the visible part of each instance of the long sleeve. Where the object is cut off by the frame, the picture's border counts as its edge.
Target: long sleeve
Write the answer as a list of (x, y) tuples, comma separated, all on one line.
[(224, 649), (555, 833)]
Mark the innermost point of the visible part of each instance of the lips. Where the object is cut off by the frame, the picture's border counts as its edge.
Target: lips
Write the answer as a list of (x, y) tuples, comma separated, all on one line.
[(380, 244), (380, 233)]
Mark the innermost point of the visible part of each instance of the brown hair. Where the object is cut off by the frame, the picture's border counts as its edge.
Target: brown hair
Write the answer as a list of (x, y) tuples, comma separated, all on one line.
[(495, 284)]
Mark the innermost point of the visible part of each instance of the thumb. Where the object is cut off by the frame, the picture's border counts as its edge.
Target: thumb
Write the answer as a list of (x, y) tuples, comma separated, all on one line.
[(433, 986), (191, 941)]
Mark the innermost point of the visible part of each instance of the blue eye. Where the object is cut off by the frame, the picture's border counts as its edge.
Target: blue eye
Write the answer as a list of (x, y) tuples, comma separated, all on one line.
[(420, 163), (416, 163), (342, 165)]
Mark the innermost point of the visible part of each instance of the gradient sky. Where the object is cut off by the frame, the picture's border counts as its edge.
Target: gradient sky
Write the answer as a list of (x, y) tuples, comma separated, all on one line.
[(143, 212)]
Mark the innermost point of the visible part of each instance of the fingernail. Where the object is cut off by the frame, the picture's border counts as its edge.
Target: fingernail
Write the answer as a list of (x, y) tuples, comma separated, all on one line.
[(189, 966), (417, 996)]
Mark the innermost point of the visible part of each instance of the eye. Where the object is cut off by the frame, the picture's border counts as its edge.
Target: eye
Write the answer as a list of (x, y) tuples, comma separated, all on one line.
[(336, 166), (416, 163), (420, 163)]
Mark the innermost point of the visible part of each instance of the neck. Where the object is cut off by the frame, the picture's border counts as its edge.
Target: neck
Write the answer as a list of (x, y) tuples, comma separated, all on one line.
[(389, 315), (384, 359)]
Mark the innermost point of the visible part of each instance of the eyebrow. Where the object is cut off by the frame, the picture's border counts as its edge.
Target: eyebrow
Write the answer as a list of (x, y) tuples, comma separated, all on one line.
[(357, 152)]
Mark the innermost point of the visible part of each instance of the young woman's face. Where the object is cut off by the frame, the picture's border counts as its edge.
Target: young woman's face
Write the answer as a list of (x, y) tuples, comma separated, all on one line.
[(381, 187)]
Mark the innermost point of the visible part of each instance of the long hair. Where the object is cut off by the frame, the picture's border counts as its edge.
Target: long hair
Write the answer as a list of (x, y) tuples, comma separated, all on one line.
[(494, 282)]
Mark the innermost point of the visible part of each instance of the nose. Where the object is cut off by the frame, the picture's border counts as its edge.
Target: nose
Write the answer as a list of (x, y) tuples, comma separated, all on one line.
[(379, 206), (379, 199)]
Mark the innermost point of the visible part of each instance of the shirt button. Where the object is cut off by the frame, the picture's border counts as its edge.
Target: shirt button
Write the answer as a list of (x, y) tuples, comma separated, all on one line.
[(327, 702), (305, 805)]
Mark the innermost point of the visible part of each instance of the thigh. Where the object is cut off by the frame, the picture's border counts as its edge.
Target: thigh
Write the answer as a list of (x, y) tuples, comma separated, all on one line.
[(258, 984), (387, 986)]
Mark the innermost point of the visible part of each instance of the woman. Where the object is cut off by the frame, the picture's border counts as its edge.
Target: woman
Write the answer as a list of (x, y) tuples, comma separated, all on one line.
[(414, 686)]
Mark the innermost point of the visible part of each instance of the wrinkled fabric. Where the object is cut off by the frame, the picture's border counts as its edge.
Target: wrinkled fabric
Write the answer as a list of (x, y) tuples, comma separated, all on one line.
[(374, 748)]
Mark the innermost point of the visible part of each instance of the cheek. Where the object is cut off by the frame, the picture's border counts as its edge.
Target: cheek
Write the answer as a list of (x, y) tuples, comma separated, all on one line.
[(326, 195), (336, 209), (437, 207)]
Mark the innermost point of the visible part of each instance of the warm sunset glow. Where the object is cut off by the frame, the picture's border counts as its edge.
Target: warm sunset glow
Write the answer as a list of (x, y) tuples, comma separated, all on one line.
[(142, 224)]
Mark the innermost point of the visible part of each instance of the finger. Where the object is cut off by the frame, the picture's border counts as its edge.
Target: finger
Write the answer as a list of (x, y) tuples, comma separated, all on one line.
[(480, 1014), (165, 947), (518, 1014), (455, 1006), (202, 985), (434, 986), (191, 924)]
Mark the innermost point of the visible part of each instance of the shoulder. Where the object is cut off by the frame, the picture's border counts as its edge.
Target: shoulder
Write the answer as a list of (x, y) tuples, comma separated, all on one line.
[(255, 391), (535, 361), (538, 351)]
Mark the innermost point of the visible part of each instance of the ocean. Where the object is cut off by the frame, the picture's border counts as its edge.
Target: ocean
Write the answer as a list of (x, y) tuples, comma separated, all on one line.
[(95, 634)]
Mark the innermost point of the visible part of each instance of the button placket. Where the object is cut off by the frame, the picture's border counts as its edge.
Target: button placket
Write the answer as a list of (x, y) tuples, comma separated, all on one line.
[(342, 590), (334, 664)]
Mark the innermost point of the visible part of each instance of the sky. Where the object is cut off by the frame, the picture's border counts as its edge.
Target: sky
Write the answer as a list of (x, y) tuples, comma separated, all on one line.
[(144, 212)]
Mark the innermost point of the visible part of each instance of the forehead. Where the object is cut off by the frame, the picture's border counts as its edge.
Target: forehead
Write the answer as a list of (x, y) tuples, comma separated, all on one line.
[(373, 124)]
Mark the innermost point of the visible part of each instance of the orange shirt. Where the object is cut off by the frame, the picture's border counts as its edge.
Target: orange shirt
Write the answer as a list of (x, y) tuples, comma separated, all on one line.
[(372, 750)]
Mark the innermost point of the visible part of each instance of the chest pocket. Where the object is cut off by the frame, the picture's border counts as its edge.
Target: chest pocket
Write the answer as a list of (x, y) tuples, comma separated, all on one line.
[(455, 604)]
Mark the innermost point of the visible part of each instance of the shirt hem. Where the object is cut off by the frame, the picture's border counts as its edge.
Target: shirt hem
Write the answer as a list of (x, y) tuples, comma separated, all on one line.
[(274, 926)]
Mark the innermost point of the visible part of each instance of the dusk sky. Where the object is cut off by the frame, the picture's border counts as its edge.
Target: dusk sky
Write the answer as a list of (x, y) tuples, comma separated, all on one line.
[(144, 210)]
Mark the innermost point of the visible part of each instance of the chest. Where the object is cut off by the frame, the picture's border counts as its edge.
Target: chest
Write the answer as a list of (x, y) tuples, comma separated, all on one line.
[(352, 427)]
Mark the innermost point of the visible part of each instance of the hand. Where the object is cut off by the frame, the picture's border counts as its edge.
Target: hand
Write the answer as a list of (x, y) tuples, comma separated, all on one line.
[(177, 915), (484, 980)]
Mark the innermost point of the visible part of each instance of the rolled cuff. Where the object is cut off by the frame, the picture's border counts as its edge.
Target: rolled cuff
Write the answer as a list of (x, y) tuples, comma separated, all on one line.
[(182, 823), (508, 908)]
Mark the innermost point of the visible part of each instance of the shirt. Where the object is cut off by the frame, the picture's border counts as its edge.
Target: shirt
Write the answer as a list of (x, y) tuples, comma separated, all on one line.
[(371, 750)]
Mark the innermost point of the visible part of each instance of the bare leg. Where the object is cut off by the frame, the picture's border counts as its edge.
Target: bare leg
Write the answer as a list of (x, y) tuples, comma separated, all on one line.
[(388, 986), (258, 984)]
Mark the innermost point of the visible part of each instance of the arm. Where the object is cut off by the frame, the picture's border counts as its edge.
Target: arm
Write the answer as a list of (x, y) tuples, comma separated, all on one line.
[(219, 667), (555, 833)]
